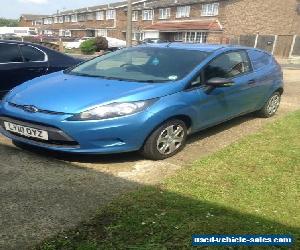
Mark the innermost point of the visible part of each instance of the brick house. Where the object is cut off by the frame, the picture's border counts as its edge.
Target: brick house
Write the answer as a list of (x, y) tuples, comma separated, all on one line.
[(273, 25), (101, 20), (262, 23), (28, 20)]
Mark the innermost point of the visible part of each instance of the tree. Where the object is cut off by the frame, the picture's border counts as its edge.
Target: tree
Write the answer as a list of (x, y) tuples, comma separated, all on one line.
[(8, 22), (101, 43)]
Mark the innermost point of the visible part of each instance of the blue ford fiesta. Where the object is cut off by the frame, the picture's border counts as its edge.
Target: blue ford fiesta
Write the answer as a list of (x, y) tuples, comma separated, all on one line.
[(146, 98)]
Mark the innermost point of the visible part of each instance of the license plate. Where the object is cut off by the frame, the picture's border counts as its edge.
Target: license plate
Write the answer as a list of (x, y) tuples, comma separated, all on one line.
[(26, 131)]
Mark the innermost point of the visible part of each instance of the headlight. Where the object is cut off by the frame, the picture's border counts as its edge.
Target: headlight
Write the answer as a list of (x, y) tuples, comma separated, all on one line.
[(111, 111)]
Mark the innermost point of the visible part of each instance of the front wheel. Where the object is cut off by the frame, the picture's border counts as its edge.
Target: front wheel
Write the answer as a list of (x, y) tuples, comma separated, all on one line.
[(165, 141), (271, 106)]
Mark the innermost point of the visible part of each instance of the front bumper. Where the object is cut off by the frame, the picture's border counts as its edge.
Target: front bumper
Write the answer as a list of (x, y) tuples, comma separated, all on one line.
[(116, 135)]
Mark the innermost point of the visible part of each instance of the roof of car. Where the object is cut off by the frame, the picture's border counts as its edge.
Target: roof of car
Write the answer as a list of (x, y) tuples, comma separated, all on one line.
[(195, 46), (15, 41), (40, 46), (26, 43)]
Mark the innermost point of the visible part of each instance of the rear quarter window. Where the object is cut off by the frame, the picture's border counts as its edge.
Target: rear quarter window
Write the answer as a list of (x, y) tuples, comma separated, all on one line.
[(259, 59), (31, 54), (10, 53)]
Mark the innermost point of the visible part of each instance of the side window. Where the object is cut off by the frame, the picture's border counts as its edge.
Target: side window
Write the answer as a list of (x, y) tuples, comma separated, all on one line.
[(228, 65), (31, 54), (10, 53), (259, 59)]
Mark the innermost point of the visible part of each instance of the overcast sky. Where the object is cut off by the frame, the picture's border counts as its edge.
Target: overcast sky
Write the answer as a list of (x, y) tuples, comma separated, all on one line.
[(14, 8)]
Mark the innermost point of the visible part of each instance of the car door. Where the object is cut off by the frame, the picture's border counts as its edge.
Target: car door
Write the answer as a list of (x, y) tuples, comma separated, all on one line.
[(35, 62), (11, 63), (267, 73), (220, 104)]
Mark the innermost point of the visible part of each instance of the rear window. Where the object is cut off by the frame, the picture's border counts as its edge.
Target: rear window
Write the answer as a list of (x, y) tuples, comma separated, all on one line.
[(31, 54), (10, 53), (259, 59)]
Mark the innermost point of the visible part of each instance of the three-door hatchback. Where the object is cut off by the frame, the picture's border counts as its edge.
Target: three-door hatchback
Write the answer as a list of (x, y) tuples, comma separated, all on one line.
[(146, 98)]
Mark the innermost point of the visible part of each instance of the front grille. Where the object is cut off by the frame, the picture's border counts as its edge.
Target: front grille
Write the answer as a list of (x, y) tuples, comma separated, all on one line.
[(56, 136), (38, 111)]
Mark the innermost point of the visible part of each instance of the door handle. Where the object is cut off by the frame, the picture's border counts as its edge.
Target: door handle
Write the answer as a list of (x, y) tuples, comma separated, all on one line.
[(251, 82), (36, 69)]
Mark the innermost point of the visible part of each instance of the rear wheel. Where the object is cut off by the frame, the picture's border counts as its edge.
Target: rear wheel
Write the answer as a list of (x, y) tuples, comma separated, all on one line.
[(271, 106), (165, 141)]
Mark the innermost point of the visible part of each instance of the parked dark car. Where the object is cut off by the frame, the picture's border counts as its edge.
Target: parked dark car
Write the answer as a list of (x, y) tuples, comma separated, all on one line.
[(21, 61)]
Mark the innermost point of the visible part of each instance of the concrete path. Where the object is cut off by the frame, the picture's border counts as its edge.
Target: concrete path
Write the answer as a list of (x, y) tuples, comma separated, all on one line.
[(42, 193)]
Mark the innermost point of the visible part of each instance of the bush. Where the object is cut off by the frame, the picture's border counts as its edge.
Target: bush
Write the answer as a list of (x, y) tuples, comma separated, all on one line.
[(101, 43), (88, 47)]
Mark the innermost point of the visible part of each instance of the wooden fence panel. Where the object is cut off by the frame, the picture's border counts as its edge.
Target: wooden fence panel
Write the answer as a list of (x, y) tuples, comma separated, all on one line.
[(283, 46), (247, 40), (265, 42), (296, 49)]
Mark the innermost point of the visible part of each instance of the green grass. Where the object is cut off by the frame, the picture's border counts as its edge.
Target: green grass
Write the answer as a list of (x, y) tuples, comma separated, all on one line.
[(249, 187)]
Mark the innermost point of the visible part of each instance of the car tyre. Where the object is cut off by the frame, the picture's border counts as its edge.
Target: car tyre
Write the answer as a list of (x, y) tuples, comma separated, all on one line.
[(165, 141), (271, 106)]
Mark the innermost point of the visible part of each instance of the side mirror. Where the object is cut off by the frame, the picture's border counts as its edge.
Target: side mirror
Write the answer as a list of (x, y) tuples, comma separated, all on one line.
[(218, 82)]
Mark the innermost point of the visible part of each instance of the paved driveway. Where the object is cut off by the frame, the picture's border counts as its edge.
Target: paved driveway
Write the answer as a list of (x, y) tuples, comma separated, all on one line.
[(42, 193)]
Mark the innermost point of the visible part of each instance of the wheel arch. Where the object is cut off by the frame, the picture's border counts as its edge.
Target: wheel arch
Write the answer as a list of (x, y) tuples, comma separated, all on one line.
[(280, 90), (185, 118)]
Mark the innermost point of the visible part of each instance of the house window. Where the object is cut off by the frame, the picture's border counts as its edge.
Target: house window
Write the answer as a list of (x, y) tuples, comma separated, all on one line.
[(56, 19), (135, 16), (90, 16), (37, 22), (179, 37), (183, 11), (147, 15), (61, 19), (65, 33), (48, 32), (137, 36), (81, 17), (102, 32), (110, 14), (74, 18), (67, 19), (100, 15), (210, 9), (195, 37), (164, 13), (68, 33)]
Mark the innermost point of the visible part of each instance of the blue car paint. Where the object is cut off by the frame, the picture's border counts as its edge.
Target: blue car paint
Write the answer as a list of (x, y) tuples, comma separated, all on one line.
[(69, 94)]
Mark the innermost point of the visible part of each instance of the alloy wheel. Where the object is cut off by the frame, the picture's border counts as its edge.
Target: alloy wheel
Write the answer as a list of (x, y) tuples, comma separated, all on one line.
[(170, 139), (273, 104)]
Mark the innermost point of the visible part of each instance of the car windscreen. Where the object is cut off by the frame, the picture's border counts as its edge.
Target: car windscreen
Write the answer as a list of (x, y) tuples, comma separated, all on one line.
[(143, 64)]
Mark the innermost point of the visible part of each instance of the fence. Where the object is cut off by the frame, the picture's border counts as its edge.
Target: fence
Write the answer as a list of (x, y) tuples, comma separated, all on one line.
[(282, 46)]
